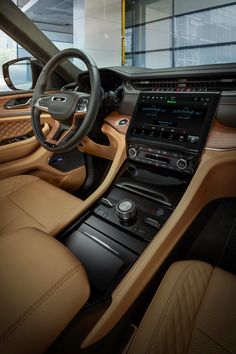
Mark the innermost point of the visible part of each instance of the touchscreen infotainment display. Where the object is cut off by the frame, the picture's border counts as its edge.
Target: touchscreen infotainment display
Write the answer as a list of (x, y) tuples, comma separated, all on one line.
[(182, 118)]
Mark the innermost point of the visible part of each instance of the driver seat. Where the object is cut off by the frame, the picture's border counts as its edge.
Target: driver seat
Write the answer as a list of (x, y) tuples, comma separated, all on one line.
[(28, 201), (43, 286)]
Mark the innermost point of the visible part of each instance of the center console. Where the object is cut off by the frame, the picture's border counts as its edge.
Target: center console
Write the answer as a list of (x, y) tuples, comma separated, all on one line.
[(165, 139)]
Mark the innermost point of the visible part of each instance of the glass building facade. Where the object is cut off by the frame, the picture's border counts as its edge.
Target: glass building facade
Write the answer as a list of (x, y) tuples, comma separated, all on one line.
[(175, 33), (159, 33)]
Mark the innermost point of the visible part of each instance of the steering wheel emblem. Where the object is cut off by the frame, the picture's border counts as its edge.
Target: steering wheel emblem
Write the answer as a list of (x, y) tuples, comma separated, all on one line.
[(58, 99)]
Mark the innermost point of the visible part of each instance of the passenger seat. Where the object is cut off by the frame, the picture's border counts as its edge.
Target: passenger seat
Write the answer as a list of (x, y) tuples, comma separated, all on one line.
[(193, 311)]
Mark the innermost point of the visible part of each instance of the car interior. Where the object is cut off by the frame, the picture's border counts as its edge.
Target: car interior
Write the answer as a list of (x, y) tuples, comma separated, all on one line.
[(118, 204)]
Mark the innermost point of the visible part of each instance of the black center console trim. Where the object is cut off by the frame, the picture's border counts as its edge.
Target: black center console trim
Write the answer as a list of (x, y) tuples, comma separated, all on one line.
[(143, 192), (105, 261), (107, 244)]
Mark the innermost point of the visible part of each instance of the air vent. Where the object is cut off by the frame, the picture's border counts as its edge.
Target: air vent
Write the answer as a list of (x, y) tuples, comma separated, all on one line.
[(187, 84)]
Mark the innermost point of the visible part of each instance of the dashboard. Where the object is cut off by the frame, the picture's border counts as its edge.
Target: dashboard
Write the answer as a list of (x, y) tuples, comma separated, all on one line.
[(171, 111)]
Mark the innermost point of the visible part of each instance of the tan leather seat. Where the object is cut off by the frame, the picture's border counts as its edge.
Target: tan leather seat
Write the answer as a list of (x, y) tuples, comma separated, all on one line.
[(27, 201), (43, 286), (193, 311)]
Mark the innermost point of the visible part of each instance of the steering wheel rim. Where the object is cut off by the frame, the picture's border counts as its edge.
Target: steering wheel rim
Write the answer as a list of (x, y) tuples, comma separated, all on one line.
[(72, 99)]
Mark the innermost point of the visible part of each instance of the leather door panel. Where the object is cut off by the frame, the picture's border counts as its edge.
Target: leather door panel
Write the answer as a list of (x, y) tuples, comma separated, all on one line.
[(16, 137), (24, 154), (14, 128), (6, 100)]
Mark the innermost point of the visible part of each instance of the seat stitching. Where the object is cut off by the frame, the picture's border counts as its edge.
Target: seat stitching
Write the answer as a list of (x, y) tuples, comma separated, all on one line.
[(166, 305), (184, 273), (20, 207), (19, 187), (200, 304), (12, 234), (59, 218), (19, 321), (213, 340)]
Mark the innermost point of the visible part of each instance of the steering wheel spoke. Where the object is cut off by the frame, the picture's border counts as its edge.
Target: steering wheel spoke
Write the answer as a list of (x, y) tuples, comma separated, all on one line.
[(42, 103), (61, 132), (54, 133)]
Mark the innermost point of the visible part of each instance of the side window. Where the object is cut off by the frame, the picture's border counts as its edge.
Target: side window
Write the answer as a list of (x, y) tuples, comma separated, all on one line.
[(9, 50)]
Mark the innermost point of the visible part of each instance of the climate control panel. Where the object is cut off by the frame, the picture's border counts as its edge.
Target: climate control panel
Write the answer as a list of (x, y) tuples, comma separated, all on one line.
[(172, 160)]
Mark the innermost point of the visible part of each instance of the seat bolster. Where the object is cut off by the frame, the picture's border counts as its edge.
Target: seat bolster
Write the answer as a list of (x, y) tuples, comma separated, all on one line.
[(168, 323), (28, 201), (12, 184), (43, 286)]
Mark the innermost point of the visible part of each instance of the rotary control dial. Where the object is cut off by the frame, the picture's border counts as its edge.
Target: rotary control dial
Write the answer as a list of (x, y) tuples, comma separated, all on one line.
[(182, 164), (126, 209), (132, 152)]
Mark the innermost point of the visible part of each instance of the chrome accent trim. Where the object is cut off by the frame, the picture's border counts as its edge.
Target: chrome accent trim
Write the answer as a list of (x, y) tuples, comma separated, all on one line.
[(221, 149), (107, 201), (130, 189), (58, 99), (128, 88), (150, 221), (101, 242)]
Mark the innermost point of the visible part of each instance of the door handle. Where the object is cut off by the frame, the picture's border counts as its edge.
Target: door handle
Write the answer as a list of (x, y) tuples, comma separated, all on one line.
[(15, 103)]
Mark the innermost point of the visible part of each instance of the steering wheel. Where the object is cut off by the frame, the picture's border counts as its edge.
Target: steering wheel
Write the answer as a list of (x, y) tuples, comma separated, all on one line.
[(67, 108)]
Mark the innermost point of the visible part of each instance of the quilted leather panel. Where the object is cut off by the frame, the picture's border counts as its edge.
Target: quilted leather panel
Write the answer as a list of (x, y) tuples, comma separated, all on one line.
[(215, 325), (168, 323), (14, 129), (12, 184)]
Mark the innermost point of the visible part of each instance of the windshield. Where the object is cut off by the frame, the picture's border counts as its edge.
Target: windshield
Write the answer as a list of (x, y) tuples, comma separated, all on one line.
[(158, 34)]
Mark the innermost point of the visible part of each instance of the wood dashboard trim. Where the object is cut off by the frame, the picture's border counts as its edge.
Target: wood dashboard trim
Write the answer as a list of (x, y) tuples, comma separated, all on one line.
[(221, 137), (113, 119), (107, 152)]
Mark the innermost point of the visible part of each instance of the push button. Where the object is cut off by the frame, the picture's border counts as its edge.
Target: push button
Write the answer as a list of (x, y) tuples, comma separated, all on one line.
[(139, 232), (152, 222), (107, 202), (101, 212), (122, 122)]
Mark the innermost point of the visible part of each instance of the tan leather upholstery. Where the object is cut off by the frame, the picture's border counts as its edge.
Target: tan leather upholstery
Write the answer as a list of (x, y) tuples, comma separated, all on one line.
[(18, 149), (193, 311), (14, 129), (27, 201), (43, 286)]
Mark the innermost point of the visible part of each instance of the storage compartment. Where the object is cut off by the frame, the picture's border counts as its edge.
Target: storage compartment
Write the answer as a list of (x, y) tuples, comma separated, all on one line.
[(105, 261), (156, 183)]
